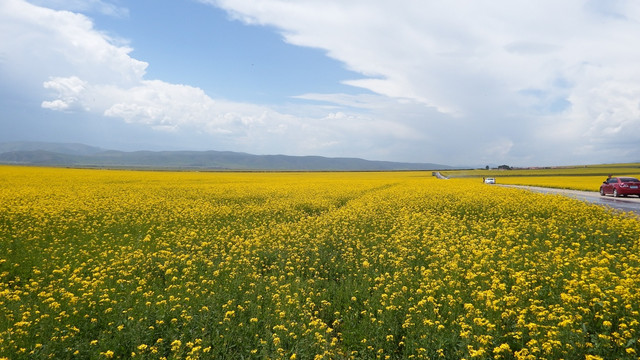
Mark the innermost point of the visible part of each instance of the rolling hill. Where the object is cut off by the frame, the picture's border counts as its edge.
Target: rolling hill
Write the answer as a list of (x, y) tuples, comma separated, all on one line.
[(80, 155)]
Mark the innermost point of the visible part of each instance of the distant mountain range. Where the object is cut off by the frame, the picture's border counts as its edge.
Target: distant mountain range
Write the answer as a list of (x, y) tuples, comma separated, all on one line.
[(80, 155)]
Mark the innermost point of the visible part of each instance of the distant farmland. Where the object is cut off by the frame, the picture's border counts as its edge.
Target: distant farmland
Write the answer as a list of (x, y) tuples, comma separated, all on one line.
[(587, 178)]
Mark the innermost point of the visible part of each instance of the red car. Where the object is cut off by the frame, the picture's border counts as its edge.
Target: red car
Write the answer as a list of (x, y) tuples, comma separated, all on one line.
[(620, 186)]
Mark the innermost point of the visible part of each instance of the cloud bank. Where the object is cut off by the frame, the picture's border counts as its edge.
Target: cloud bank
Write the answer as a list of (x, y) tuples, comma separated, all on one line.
[(456, 82), (537, 81)]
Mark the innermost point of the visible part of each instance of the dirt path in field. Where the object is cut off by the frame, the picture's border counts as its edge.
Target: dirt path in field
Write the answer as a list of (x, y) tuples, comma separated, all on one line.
[(622, 203)]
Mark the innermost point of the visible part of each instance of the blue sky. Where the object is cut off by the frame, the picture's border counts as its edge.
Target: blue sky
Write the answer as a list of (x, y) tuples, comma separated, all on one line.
[(188, 42), (455, 82)]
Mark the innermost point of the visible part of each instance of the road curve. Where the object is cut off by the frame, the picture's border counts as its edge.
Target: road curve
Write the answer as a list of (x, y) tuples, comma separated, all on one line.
[(621, 203)]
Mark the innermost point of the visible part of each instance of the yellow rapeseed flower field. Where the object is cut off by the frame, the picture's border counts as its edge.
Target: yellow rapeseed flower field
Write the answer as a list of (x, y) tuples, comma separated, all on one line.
[(99, 264)]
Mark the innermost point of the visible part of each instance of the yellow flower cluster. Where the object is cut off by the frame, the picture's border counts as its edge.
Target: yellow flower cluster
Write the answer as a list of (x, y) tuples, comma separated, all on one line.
[(102, 264)]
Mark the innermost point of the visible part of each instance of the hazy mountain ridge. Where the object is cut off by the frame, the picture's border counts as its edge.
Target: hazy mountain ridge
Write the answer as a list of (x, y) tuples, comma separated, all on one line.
[(80, 155), (62, 148)]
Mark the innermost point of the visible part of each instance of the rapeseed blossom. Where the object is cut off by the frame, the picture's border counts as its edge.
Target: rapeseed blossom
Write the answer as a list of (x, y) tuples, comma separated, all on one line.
[(108, 264)]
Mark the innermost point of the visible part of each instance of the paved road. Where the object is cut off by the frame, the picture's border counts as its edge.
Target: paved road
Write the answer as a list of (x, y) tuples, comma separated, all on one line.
[(621, 203)]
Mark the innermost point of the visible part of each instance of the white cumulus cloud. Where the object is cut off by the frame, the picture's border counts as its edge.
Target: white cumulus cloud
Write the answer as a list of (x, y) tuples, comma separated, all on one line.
[(569, 65)]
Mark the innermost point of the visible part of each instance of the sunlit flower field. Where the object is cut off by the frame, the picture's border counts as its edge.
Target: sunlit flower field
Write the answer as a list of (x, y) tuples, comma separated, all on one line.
[(101, 264)]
